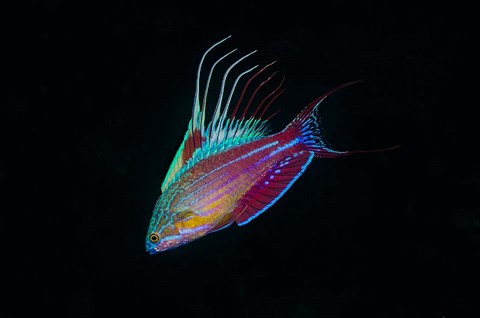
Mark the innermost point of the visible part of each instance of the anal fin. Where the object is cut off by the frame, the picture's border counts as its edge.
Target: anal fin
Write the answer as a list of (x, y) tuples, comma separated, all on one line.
[(272, 186)]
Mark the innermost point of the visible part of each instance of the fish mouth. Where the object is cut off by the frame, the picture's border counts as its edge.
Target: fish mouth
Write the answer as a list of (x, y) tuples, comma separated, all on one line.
[(152, 251), (166, 243), (150, 248), (157, 248)]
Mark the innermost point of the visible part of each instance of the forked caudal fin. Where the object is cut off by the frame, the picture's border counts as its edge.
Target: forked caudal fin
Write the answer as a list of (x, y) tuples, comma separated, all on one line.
[(310, 127)]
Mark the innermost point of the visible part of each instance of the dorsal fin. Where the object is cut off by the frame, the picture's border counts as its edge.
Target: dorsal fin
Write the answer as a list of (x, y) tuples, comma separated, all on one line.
[(201, 141)]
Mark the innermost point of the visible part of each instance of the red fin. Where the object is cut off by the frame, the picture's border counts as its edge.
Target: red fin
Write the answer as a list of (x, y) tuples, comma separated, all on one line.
[(310, 128), (304, 115), (192, 143), (329, 153), (272, 186)]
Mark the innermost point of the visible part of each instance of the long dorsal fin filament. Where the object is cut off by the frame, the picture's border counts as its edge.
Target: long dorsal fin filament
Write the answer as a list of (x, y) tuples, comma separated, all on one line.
[(223, 131)]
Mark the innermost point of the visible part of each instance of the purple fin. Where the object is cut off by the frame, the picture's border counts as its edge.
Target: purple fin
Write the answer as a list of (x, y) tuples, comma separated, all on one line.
[(272, 186)]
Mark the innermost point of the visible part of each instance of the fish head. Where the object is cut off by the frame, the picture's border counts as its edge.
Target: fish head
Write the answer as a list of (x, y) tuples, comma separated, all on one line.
[(172, 229)]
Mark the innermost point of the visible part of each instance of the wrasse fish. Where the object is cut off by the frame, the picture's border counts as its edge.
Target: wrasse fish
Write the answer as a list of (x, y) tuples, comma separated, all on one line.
[(232, 170)]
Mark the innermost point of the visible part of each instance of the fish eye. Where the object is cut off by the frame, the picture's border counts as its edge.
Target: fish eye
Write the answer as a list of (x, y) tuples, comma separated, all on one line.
[(154, 238)]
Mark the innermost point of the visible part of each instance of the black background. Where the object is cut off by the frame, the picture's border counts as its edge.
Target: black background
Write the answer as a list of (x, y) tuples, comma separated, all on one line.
[(96, 98)]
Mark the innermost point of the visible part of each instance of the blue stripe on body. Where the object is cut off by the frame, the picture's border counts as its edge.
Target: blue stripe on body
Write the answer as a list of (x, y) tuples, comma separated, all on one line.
[(233, 161), (249, 154), (194, 229), (221, 176), (200, 188), (167, 206), (227, 187)]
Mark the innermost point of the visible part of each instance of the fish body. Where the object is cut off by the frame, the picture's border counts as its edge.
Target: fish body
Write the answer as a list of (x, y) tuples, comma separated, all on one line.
[(232, 170), (211, 191)]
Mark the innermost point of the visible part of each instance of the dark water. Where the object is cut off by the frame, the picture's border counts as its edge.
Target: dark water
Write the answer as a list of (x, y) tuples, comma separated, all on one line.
[(96, 98)]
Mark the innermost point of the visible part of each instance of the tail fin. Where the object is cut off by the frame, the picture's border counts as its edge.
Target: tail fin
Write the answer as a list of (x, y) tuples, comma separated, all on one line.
[(311, 130)]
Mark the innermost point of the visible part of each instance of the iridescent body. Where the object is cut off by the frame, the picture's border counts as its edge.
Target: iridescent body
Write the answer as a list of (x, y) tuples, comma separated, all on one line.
[(231, 170)]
